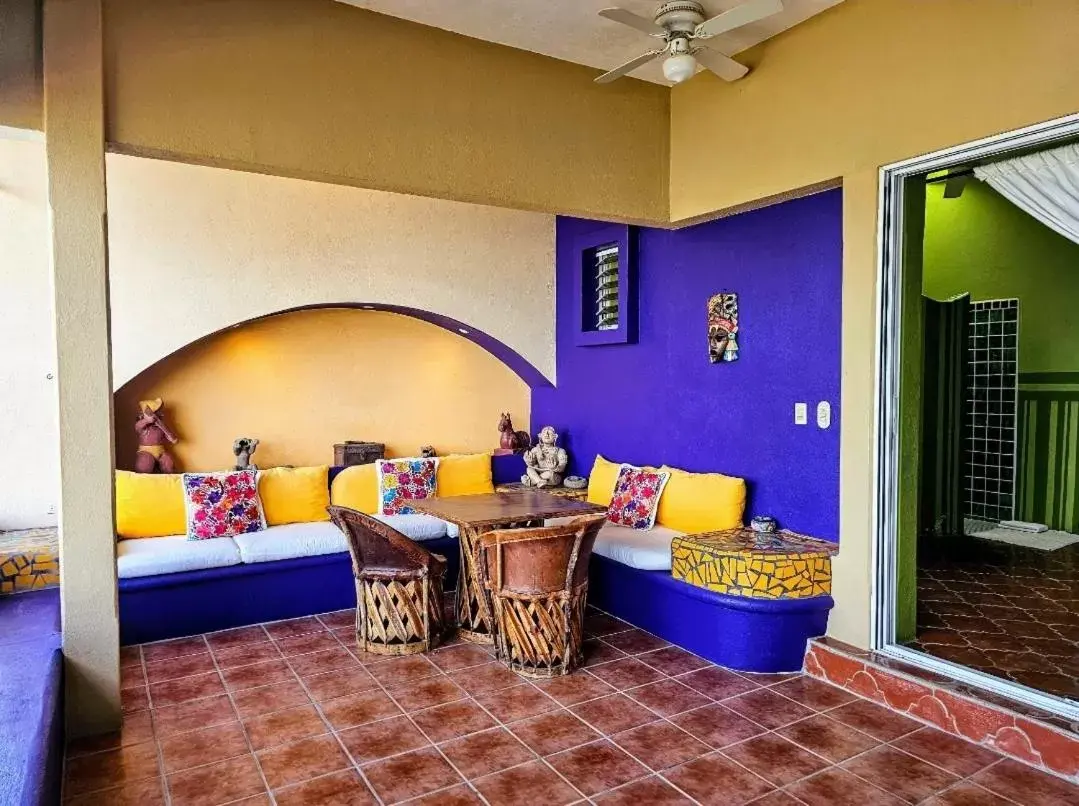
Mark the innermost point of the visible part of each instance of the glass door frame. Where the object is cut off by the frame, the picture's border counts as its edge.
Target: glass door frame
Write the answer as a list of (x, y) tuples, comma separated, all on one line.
[(890, 233)]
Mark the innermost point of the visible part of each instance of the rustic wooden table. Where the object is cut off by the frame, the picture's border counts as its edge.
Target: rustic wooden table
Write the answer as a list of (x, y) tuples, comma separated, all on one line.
[(476, 514), (578, 494)]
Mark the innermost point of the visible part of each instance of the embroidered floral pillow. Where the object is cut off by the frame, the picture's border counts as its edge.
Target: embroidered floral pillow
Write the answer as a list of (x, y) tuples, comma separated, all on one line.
[(636, 497), (404, 480), (222, 504)]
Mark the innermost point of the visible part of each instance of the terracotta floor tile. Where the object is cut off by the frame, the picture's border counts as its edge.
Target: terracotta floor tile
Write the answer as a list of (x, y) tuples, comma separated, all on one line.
[(699, 779), (768, 678), (344, 788), (626, 673), (634, 641), (901, 774), (293, 627), (719, 684), (452, 720), (668, 697), (518, 702), (775, 759), (602, 624), (460, 656), (826, 737), (596, 651), (176, 648), (652, 791), (255, 675), (246, 654), (673, 660), (480, 754), (717, 726), (812, 693), (553, 732), (614, 713), (254, 702), (398, 671), (338, 683), (195, 748), (357, 709), (134, 699), (966, 793), (837, 787), (660, 745), (241, 636), (174, 692), (308, 758), (382, 738), (339, 619), (136, 728), (410, 775), (483, 679), (305, 644), (184, 666), (875, 720), (111, 768), (1025, 785), (427, 693), (148, 792), (130, 656), (597, 767), (777, 798), (283, 727), (535, 784), (956, 755), (460, 795), (218, 783), (767, 708), (132, 676), (574, 688)]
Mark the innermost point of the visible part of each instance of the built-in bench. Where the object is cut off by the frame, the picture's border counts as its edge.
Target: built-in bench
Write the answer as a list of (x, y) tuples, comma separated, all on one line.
[(31, 689)]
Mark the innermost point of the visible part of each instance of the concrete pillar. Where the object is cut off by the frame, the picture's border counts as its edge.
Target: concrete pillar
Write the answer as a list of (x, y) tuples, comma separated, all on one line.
[(75, 148)]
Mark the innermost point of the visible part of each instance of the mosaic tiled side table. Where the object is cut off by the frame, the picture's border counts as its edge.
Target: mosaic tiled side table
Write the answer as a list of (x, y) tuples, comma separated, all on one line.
[(741, 562), (29, 560)]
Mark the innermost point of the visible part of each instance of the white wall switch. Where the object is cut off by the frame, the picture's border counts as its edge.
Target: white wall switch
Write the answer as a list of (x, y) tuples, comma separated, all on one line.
[(824, 414), (801, 414)]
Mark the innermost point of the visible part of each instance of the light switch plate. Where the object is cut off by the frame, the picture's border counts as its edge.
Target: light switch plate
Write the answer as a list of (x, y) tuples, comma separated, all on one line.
[(801, 414), (824, 414)]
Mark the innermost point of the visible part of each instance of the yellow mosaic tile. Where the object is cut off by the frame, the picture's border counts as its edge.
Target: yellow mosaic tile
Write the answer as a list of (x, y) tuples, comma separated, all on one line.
[(741, 562)]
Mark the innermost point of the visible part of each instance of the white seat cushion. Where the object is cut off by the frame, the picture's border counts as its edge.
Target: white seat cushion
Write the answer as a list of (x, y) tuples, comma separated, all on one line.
[(452, 530), (646, 549), (291, 540), (417, 526), (149, 556)]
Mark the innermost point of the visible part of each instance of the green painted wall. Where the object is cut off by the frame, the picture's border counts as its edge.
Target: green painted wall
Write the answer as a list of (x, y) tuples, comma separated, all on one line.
[(984, 244)]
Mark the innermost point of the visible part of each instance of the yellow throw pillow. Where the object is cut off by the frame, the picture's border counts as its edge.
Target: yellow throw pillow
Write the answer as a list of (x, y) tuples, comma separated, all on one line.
[(294, 494), (149, 504), (356, 487), (464, 474), (701, 502), (601, 481)]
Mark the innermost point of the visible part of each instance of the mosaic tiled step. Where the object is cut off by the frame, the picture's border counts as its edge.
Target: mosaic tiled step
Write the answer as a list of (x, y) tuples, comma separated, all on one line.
[(29, 560), (741, 562), (1038, 738)]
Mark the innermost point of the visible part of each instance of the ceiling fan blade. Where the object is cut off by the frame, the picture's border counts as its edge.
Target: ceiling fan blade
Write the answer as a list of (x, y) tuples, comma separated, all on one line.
[(737, 17), (632, 20), (723, 66), (629, 66), (953, 186)]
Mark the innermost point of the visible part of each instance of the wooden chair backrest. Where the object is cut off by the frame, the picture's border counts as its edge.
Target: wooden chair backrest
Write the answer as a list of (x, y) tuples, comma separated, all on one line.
[(376, 545), (542, 560)]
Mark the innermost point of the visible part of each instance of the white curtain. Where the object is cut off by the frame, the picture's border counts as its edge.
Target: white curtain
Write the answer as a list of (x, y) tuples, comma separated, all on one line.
[(1045, 184)]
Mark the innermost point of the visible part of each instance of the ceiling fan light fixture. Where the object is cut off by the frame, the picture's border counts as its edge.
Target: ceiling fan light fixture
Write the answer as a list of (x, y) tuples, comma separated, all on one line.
[(679, 67)]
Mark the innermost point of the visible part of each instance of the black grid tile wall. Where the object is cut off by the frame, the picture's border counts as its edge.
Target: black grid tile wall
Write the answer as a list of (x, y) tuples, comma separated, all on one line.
[(992, 361)]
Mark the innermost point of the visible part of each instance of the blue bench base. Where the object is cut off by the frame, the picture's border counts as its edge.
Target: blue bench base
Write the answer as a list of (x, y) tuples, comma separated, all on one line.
[(194, 602), (32, 691), (751, 635)]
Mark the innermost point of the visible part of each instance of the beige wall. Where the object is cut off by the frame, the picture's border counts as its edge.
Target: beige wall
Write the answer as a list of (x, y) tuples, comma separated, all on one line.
[(28, 430), (300, 382), (194, 249), (870, 82), (319, 89)]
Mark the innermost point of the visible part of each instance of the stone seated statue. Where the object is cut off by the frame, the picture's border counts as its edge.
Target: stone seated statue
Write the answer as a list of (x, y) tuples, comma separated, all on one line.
[(545, 462)]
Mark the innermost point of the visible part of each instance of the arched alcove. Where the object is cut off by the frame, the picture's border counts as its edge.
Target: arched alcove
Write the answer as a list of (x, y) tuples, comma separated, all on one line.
[(303, 379)]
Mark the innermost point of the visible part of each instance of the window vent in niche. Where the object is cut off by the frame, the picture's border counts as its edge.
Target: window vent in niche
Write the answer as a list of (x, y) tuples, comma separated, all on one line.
[(605, 290), (605, 279)]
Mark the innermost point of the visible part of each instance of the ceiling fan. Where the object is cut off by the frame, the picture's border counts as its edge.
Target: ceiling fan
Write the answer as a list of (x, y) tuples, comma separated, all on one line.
[(685, 32)]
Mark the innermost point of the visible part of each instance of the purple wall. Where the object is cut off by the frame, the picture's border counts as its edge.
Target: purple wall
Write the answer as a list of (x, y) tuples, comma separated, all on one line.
[(661, 401)]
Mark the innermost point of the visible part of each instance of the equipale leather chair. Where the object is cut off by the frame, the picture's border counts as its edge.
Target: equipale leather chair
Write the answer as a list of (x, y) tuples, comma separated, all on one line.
[(538, 579), (398, 586)]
